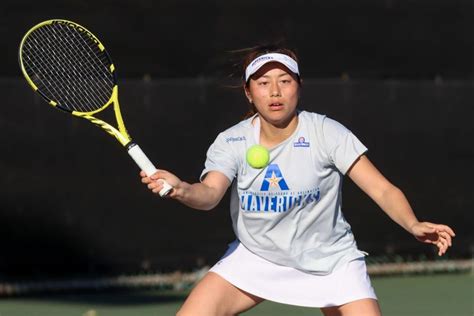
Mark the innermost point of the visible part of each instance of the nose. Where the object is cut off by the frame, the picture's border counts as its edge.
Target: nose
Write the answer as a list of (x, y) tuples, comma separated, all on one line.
[(275, 90)]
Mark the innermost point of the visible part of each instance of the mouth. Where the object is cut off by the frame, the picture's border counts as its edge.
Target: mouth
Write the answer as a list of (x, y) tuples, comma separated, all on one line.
[(276, 106)]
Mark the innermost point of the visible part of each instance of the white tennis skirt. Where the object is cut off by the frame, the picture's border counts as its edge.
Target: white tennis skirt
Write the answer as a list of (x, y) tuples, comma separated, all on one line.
[(286, 285)]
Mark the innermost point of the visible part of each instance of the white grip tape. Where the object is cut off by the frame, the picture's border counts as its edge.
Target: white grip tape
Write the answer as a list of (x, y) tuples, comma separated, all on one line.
[(146, 165)]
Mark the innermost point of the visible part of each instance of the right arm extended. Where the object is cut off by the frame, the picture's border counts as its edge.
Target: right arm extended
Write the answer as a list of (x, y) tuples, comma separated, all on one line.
[(203, 195)]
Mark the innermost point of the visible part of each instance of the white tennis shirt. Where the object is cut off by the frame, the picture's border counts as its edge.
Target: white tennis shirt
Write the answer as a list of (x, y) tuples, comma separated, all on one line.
[(290, 212)]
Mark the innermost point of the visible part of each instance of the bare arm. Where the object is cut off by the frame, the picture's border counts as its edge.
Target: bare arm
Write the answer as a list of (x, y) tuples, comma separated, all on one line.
[(203, 195), (394, 203)]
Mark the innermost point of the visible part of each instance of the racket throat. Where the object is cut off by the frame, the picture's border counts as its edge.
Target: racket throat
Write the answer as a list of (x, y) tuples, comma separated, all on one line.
[(130, 145)]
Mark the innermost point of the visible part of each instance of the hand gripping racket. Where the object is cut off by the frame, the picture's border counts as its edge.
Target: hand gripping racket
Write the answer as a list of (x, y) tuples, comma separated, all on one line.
[(70, 68)]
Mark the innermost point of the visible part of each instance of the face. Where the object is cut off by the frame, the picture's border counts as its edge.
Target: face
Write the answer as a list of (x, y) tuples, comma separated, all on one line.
[(274, 91)]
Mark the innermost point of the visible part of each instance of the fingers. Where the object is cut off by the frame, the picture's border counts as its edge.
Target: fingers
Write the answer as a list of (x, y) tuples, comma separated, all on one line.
[(154, 185), (442, 245), (145, 178), (148, 179), (445, 235), (155, 181), (441, 228), (445, 228), (157, 187), (159, 174), (437, 234), (443, 242)]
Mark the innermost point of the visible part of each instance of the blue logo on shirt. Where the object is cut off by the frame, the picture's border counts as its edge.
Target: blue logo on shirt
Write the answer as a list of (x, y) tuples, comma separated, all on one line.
[(275, 196), (235, 139), (301, 142), (278, 202), (273, 179)]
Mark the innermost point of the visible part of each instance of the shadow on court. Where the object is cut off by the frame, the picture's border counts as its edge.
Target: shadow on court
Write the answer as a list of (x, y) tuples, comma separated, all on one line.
[(124, 297)]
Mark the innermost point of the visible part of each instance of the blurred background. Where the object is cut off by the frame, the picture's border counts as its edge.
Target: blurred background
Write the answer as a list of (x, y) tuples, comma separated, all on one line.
[(399, 74)]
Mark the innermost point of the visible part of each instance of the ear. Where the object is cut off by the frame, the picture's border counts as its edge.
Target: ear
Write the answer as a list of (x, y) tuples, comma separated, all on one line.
[(248, 94)]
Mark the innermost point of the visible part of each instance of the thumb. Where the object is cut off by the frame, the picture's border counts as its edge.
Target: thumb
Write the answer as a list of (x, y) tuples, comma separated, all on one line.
[(160, 174), (423, 228)]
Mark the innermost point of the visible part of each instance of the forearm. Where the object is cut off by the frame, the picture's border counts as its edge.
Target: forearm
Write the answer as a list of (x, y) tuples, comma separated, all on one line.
[(198, 195), (394, 203), (203, 195), (390, 199)]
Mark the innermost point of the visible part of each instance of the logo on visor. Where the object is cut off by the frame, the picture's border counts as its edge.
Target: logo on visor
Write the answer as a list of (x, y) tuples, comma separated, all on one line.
[(260, 59), (273, 179)]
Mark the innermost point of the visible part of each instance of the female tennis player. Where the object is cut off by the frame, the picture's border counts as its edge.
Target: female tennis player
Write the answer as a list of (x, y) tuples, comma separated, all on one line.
[(293, 244)]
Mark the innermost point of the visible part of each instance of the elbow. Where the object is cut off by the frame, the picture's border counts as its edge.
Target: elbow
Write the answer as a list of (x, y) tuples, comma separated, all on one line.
[(212, 203), (202, 206), (207, 207)]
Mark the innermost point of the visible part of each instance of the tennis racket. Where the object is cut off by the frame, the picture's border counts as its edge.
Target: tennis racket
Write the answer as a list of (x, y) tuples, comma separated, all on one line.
[(70, 68)]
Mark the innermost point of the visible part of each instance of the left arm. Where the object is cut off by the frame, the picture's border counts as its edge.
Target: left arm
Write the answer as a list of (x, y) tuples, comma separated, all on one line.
[(394, 203)]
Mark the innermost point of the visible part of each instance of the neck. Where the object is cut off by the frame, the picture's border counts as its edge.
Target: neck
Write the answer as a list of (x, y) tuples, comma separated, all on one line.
[(272, 135)]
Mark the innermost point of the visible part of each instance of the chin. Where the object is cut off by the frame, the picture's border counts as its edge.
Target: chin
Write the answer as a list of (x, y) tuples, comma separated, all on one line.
[(280, 118)]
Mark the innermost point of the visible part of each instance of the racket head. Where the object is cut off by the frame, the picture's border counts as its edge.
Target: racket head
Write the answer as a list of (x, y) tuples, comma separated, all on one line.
[(68, 66)]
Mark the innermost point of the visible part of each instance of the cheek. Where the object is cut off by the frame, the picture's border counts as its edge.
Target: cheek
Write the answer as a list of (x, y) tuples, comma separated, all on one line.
[(257, 93), (293, 94)]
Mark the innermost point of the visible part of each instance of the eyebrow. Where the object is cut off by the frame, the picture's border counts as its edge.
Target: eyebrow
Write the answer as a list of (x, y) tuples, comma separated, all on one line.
[(280, 75)]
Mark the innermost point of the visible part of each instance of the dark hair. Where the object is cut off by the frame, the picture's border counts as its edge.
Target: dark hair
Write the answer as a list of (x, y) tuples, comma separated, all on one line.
[(254, 52)]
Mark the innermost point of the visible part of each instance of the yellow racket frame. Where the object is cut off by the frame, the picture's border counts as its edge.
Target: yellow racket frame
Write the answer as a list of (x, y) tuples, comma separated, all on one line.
[(121, 133)]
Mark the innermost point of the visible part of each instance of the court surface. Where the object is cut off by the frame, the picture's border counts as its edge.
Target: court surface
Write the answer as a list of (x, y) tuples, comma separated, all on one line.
[(430, 295)]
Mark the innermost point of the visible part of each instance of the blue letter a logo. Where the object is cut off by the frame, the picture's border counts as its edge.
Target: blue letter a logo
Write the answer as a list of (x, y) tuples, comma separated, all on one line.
[(273, 179)]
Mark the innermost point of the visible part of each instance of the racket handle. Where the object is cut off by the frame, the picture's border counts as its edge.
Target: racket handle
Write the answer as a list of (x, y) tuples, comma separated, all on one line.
[(146, 165)]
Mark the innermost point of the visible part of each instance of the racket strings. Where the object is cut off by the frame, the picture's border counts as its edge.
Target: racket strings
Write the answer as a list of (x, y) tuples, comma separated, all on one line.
[(52, 73), (97, 60), (65, 64), (35, 68), (77, 42), (49, 81), (76, 81), (55, 77), (68, 66)]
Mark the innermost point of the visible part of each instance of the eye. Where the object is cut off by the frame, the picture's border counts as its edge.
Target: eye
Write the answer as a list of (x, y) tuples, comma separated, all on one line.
[(262, 83)]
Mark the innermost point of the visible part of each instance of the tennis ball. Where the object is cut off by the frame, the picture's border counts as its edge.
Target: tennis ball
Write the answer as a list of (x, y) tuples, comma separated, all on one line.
[(258, 156)]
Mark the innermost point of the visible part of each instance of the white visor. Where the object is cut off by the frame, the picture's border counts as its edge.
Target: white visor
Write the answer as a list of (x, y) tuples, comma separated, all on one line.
[(283, 59)]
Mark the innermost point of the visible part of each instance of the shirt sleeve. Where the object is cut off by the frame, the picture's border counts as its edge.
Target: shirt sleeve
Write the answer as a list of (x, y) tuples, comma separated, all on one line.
[(220, 158), (343, 147)]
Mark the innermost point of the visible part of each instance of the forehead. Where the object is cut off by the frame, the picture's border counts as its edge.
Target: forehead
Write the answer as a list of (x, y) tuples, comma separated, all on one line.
[(271, 69)]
